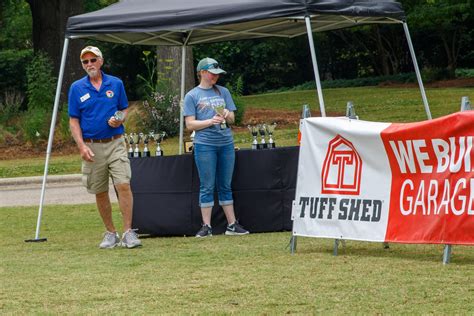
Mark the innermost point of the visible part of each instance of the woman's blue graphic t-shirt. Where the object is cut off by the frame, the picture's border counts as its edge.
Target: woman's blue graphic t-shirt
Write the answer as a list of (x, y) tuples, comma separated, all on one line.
[(201, 104)]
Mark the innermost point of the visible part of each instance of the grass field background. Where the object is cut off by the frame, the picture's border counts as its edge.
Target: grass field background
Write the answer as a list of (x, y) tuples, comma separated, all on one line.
[(254, 274), (371, 103)]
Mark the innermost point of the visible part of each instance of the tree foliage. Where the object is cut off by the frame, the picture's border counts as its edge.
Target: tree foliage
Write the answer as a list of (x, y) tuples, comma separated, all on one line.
[(15, 25), (442, 33), (447, 26)]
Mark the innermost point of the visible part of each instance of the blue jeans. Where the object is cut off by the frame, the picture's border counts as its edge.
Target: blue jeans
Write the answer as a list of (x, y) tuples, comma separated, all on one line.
[(215, 164)]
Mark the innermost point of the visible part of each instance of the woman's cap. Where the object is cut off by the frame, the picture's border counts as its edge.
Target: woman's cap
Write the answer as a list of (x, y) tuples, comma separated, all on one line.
[(210, 65), (91, 49)]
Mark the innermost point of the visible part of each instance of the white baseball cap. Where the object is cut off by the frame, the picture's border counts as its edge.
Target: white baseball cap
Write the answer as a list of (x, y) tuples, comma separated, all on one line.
[(91, 49)]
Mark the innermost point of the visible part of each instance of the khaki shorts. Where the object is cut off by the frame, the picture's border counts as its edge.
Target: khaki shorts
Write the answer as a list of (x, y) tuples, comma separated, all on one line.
[(110, 160)]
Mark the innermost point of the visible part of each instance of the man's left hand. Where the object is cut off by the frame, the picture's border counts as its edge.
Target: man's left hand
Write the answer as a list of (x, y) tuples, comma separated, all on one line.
[(113, 122)]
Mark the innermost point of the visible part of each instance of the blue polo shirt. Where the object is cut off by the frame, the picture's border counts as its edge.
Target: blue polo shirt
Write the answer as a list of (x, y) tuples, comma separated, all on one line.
[(200, 103), (94, 108)]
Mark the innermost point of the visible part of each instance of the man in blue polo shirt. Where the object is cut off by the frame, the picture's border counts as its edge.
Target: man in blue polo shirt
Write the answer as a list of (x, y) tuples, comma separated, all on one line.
[(97, 109)]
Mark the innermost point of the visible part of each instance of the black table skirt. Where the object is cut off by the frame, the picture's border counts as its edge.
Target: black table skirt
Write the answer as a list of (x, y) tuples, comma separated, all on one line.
[(166, 193)]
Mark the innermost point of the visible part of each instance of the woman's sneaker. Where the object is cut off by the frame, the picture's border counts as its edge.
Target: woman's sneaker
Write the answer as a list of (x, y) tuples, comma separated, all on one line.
[(130, 239), (111, 240), (236, 229), (205, 231)]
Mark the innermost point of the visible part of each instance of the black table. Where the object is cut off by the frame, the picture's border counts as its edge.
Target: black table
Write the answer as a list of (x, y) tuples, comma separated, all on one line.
[(166, 193)]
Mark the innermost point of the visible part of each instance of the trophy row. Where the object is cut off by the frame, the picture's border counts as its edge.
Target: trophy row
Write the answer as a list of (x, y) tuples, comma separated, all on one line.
[(262, 130), (135, 139)]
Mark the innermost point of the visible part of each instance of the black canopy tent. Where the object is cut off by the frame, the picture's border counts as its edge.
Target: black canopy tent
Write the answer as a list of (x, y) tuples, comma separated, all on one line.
[(189, 22)]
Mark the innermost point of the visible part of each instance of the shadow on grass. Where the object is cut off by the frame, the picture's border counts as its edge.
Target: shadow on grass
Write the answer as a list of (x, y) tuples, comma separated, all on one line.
[(461, 255)]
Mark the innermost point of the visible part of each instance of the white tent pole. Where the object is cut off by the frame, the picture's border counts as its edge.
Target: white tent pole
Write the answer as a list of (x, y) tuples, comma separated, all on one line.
[(51, 135), (417, 70), (181, 103), (315, 65)]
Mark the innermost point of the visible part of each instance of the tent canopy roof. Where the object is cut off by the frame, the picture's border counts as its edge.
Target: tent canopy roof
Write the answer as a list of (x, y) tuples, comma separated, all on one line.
[(178, 22)]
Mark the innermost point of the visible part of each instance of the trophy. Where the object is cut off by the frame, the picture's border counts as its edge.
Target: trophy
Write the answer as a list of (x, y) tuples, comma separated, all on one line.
[(189, 144), (261, 131), (136, 140), (270, 130), (129, 140), (146, 152), (220, 110), (158, 139), (119, 115), (254, 131)]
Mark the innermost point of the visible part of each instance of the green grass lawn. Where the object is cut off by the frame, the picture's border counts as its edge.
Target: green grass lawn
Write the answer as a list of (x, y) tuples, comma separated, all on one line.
[(252, 274), (371, 103)]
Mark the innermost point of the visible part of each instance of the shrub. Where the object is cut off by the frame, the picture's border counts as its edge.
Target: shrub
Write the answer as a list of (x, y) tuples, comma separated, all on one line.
[(12, 67), (36, 124), (10, 105), (346, 83), (162, 113), (464, 73), (8, 137), (161, 105), (41, 83), (62, 129), (236, 89), (435, 74)]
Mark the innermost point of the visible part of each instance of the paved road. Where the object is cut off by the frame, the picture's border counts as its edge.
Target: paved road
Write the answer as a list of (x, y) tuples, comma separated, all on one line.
[(65, 189)]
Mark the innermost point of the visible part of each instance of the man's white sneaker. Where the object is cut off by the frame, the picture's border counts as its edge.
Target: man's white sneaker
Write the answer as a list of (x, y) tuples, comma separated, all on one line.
[(130, 239), (111, 240)]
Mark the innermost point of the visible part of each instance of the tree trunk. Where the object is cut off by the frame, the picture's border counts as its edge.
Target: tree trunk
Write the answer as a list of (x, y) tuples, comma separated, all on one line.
[(49, 25), (382, 55), (169, 67), (451, 59)]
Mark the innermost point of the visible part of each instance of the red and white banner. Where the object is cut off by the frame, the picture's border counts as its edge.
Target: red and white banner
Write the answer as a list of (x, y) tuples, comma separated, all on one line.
[(408, 183)]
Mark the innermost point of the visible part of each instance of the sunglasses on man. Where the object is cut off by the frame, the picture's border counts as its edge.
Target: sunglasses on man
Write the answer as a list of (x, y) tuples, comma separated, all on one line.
[(86, 61)]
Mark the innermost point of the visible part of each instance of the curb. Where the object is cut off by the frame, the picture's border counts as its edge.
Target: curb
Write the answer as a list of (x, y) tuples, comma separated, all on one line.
[(39, 180)]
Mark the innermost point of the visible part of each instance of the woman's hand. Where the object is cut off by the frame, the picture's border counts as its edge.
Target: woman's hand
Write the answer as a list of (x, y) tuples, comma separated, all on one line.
[(228, 116), (217, 119), (226, 113)]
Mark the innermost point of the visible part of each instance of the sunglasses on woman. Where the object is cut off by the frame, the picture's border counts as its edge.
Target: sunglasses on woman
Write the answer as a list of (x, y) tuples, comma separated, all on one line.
[(211, 66)]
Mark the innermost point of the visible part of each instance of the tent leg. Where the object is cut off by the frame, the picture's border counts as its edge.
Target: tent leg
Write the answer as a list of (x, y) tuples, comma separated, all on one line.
[(417, 71), (293, 244), (336, 247), (315, 65), (465, 104), (181, 103), (447, 254), (50, 140)]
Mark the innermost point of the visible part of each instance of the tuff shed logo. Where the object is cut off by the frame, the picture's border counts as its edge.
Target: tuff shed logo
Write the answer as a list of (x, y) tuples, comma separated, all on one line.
[(342, 168), (341, 175)]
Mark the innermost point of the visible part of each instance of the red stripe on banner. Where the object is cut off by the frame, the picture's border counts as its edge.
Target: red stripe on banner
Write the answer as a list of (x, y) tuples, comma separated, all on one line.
[(432, 194)]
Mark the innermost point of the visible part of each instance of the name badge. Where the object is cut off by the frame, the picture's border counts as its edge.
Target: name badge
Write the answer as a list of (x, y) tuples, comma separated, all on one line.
[(85, 97)]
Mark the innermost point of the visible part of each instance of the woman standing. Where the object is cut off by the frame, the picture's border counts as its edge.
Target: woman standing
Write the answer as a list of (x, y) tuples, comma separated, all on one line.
[(207, 108)]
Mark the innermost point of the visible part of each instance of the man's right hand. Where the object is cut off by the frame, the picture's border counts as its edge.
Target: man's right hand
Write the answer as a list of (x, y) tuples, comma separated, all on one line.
[(86, 153)]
